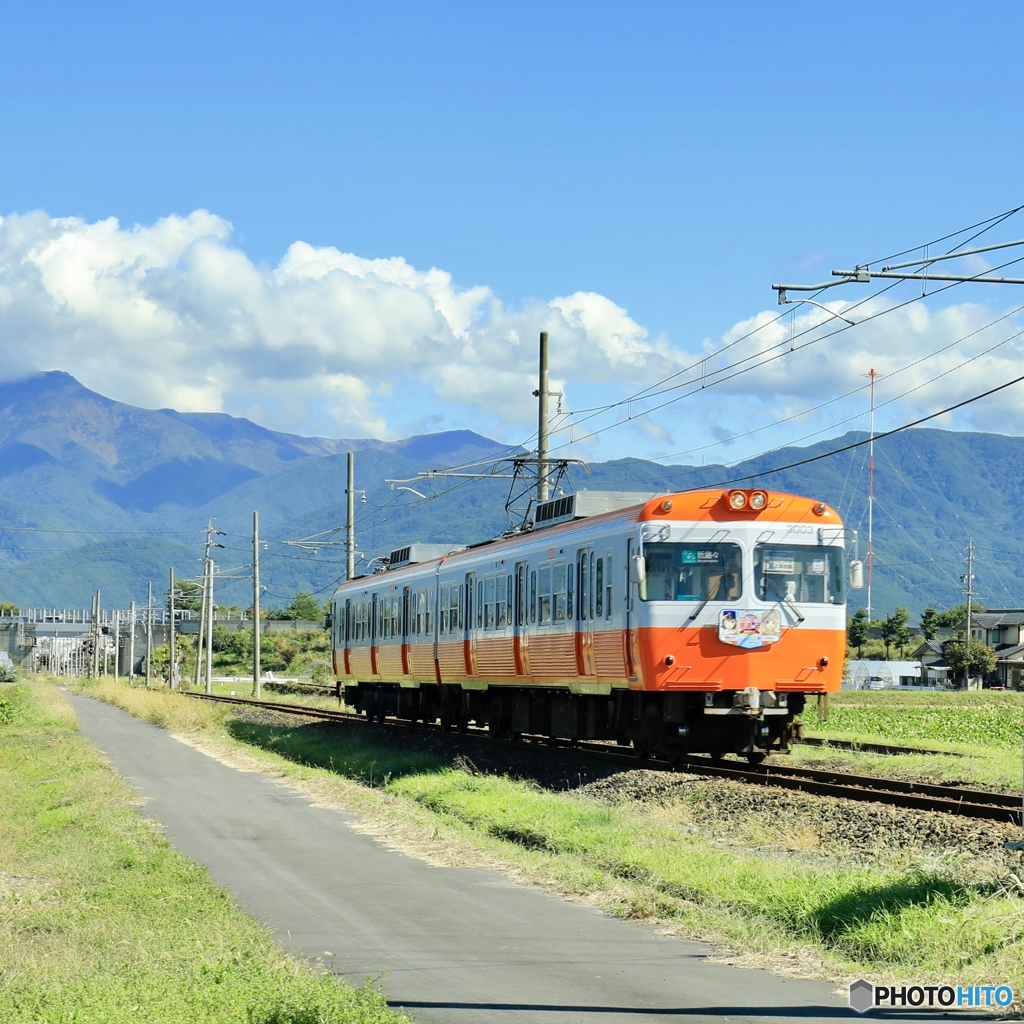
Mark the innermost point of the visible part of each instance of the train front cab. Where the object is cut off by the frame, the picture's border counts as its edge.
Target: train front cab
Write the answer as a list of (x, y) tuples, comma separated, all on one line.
[(737, 618)]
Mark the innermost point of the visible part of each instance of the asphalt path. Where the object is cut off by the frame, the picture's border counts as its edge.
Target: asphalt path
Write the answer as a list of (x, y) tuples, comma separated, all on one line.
[(451, 945)]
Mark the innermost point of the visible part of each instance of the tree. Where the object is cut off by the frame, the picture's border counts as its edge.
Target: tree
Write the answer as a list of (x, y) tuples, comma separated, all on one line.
[(955, 617), (9, 608), (930, 623), (303, 606), (896, 631), (188, 596), (857, 629), (969, 657)]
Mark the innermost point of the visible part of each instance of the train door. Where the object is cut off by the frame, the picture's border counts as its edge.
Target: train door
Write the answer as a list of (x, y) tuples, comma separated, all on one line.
[(347, 633), (373, 635), (406, 616), (585, 612), (467, 635), (520, 619), (629, 637)]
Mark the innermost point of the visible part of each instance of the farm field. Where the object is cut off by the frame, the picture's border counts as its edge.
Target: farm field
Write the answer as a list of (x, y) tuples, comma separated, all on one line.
[(799, 883), (983, 733), (102, 921)]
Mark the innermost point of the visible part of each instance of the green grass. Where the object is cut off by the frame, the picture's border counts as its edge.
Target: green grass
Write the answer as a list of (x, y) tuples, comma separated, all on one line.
[(986, 728), (893, 913), (759, 887), (102, 921)]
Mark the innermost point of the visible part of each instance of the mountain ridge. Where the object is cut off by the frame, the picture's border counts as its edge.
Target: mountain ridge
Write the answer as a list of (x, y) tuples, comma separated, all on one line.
[(81, 474)]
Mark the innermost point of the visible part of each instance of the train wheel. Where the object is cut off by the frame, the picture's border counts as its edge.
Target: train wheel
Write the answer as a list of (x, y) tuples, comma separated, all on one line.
[(755, 759)]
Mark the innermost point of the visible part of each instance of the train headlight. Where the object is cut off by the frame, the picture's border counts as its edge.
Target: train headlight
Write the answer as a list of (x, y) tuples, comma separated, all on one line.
[(758, 500), (737, 500)]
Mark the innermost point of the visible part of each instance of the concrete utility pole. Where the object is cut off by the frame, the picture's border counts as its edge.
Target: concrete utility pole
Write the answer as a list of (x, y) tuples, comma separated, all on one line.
[(94, 660), (542, 421), (350, 522), (206, 615), (872, 375), (202, 621), (172, 671), (209, 628), (149, 636), (969, 580), (117, 645), (131, 644), (257, 685)]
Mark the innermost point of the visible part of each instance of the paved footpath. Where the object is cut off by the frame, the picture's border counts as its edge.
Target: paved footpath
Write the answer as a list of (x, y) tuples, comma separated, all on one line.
[(456, 945)]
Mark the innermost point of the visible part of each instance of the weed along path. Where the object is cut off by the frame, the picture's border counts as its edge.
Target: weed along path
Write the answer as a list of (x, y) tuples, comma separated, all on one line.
[(455, 945)]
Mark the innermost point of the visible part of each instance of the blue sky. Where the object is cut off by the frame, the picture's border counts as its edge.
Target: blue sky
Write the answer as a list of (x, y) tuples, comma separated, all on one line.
[(351, 219)]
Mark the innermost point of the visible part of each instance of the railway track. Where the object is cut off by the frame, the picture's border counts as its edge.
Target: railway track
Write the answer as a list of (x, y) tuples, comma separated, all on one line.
[(872, 748), (893, 792)]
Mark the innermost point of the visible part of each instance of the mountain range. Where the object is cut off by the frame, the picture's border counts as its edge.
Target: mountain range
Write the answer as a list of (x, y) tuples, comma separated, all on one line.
[(101, 495)]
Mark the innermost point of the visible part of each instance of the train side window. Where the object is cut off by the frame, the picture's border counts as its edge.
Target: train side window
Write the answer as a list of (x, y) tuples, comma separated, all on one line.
[(589, 596), (584, 584), (456, 607), (544, 595), (611, 579), (480, 604), (489, 602), (500, 604), (444, 607), (533, 595), (570, 578), (558, 591), (599, 589)]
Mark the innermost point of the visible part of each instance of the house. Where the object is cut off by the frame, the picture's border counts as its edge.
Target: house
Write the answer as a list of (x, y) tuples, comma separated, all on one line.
[(934, 669), (1001, 629)]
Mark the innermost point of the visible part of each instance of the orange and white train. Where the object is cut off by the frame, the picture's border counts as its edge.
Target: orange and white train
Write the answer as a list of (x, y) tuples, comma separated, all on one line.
[(691, 622)]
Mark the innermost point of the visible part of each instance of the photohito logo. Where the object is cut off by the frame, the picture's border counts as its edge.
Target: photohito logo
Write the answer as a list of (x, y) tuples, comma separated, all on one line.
[(864, 996)]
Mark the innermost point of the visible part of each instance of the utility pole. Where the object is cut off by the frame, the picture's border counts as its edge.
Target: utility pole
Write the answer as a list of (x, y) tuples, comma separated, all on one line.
[(542, 421), (969, 580), (94, 658), (209, 628), (206, 614), (872, 375), (117, 645), (172, 676), (149, 636), (131, 645), (257, 689), (350, 522), (202, 625)]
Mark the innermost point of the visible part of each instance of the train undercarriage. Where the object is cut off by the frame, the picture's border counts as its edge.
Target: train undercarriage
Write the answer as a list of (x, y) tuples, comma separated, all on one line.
[(751, 723)]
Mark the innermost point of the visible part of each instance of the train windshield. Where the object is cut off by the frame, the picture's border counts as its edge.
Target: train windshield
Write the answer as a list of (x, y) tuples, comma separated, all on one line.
[(692, 572), (788, 572)]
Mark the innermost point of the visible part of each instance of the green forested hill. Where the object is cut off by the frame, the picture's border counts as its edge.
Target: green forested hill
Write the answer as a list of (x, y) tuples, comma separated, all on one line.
[(96, 494)]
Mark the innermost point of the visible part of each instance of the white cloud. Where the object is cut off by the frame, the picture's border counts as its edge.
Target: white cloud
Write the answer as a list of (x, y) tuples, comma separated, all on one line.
[(172, 314), (327, 342)]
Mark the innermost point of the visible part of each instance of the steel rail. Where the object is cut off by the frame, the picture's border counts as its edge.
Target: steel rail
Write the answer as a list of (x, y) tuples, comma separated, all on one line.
[(872, 748), (892, 792)]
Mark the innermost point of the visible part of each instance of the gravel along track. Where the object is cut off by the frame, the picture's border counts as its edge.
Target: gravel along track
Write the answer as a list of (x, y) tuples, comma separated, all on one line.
[(734, 813), (802, 822)]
